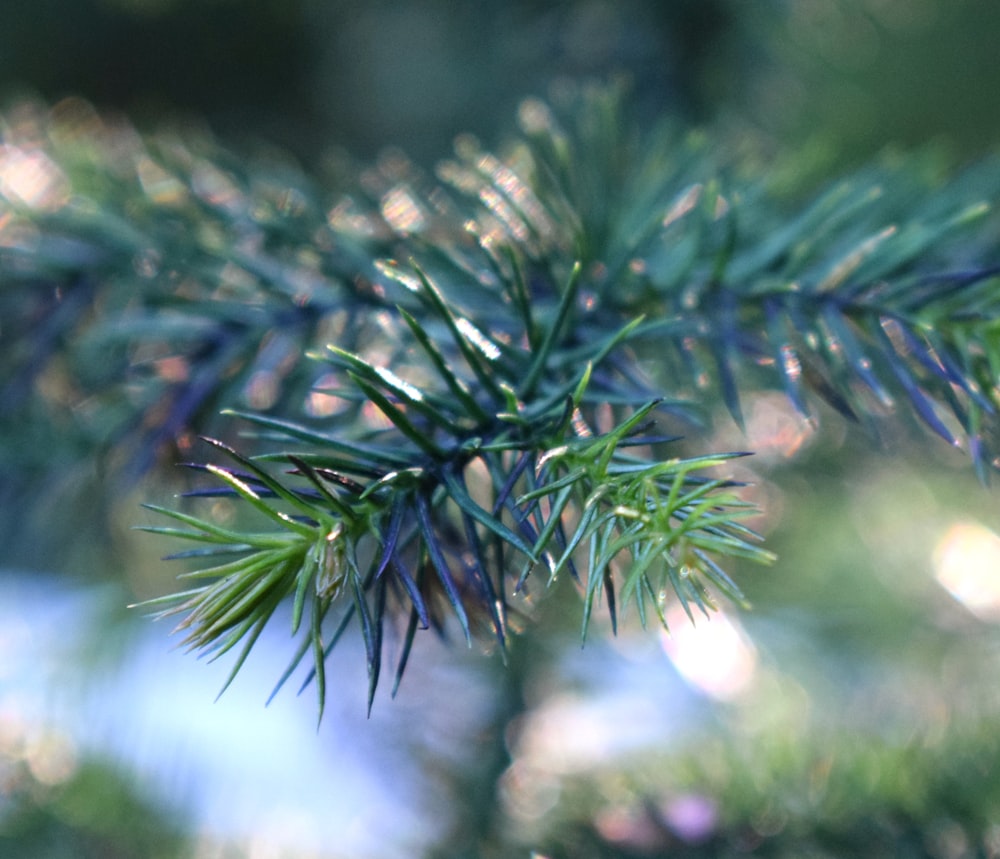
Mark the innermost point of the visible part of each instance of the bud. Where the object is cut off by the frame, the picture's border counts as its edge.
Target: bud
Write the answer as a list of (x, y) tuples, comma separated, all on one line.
[(330, 563)]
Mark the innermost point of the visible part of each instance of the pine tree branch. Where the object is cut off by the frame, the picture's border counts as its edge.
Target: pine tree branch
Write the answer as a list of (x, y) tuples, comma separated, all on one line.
[(441, 373)]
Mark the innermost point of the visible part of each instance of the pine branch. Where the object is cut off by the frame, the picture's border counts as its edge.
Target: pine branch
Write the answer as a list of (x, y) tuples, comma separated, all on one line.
[(168, 265), (432, 486), (441, 374)]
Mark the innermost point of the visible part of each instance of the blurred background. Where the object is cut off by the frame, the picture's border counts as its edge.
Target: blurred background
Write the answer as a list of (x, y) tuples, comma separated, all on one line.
[(854, 711), (847, 75)]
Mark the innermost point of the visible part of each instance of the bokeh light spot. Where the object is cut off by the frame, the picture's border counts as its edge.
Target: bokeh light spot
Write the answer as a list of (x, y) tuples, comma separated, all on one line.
[(714, 655), (967, 565)]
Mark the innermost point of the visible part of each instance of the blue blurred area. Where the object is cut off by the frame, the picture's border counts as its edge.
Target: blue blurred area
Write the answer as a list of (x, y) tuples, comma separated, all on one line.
[(115, 689), (78, 681)]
